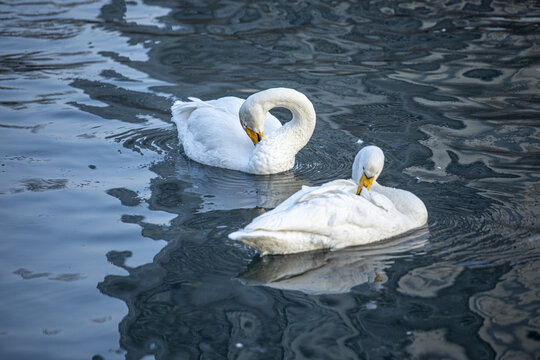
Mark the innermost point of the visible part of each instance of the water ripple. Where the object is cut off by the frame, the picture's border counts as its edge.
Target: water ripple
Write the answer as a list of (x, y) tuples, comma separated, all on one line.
[(158, 140), (448, 89)]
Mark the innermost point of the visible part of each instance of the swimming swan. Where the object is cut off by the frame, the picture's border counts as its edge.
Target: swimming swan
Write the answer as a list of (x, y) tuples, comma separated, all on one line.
[(337, 214), (214, 132)]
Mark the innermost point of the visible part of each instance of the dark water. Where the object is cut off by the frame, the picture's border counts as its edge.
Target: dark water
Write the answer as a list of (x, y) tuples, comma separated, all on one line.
[(114, 245)]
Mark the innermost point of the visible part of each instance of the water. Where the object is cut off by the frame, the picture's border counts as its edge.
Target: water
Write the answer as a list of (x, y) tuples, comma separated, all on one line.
[(114, 245)]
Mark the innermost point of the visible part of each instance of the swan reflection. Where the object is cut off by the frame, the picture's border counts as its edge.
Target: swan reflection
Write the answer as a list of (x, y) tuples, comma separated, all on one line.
[(222, 189), (332, 272)]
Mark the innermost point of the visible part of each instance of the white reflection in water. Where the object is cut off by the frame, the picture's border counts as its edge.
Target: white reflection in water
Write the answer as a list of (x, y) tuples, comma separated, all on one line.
[(510, 311), (433, 345), (228, 190), (426, 281), (332, 272), (141, 14)]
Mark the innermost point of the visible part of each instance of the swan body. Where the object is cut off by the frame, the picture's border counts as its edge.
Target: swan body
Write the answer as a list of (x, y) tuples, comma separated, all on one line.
[(337, 214), (228, 132)]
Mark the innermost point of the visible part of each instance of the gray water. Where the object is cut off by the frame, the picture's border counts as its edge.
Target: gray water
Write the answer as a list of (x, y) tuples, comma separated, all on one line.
[(114, 244)]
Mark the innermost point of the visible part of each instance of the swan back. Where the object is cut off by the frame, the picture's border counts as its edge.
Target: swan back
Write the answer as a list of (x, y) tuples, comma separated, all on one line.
[(210, 133)]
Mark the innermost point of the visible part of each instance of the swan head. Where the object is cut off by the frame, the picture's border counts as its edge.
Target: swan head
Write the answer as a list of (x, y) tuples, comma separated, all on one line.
[(252, 117), (367, 166)]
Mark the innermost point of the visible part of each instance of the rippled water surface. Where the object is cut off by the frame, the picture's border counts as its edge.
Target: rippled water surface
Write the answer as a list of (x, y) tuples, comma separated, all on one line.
[(114, 244)]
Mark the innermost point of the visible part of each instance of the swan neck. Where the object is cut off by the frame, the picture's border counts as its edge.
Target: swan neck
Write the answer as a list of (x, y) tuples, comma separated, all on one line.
[(303, 119)]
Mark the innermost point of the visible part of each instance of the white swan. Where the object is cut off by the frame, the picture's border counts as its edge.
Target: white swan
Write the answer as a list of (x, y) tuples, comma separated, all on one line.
[(337, 214), (214, 132)]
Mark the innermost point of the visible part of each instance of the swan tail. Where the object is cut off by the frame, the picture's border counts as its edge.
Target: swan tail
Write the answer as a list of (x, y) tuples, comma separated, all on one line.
[(181, 110), (199, 102)]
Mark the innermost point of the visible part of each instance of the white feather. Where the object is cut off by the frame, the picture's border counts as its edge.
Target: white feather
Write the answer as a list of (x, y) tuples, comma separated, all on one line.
[(332, 216), (211, 133)]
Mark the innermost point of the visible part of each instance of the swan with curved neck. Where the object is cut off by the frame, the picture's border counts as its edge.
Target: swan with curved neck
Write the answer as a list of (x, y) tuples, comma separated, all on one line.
[(337, 214), (228, 132)]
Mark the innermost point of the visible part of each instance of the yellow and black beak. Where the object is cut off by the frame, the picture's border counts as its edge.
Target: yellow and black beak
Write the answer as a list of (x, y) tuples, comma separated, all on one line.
[(255, 137), (364, 181)]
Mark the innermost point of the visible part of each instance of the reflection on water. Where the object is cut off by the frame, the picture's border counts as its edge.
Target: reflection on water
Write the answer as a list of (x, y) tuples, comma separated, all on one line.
[(228, 190), (331, 272), (95, 189), (433, 345), (510, 313), (429, 281)]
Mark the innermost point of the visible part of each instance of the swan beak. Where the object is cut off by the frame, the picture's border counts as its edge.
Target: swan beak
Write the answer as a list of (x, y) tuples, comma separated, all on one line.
[(255, 137), (364, 181)]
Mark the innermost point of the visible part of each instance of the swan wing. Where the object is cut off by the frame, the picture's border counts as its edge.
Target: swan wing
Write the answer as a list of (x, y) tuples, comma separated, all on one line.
[(329, 216), (231, 105), (321, 210), (405, 202), (210, 131)]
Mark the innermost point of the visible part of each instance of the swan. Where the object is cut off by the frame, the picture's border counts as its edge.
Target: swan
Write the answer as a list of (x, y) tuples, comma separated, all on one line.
[(228, 132), (337, 214)]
